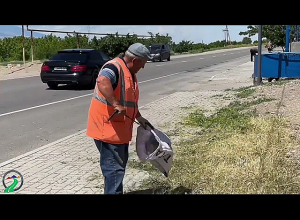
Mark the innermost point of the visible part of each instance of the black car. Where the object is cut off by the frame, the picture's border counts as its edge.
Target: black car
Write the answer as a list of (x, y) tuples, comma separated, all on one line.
[(73, 66), (160, 52)]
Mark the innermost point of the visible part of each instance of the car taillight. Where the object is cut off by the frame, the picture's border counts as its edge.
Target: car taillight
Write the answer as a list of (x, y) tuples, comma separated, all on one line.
[(45, 67), (79, 68)]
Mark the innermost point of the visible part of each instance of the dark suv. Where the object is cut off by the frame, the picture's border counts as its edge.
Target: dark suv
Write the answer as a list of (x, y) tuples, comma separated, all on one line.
[(160, 52), (79, 66)]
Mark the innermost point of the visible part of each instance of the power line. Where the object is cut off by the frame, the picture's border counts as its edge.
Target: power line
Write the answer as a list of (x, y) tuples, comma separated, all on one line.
[(89, 33), (65, 32)]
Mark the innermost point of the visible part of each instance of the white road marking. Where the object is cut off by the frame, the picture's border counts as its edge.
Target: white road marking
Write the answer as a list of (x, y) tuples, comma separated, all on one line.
[(38, 106), (211, 78), (77, 97), (161, 77), (213, 56), (183, 61), (201, 58)]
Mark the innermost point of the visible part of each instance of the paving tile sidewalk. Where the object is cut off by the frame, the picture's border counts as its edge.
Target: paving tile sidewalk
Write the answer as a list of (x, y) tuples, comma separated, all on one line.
[(71, 165)]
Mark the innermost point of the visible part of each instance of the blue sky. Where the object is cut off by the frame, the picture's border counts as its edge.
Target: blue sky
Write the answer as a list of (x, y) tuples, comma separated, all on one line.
[(193, 33)]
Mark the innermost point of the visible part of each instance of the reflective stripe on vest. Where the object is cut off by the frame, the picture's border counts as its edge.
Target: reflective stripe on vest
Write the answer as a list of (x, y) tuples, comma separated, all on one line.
[(122, 92)]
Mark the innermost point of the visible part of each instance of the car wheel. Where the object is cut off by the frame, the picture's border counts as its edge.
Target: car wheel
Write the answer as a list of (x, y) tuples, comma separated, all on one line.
[(169, 58), (52, 85), (94, 78)]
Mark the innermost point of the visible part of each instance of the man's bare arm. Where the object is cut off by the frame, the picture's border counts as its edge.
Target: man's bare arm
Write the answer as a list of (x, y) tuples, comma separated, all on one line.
[(105, 87)]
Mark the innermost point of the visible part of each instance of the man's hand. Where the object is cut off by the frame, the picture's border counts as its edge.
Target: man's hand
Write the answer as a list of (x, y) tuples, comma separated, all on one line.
[(121, 109), (143, 121)]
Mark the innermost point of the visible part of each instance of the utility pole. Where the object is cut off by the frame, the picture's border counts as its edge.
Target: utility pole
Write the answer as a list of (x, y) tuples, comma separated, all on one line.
[(31, 36), (227, 37), (78, 40), (287, 38), (88, 33), (23, 44), (259, 78), (297, 33)]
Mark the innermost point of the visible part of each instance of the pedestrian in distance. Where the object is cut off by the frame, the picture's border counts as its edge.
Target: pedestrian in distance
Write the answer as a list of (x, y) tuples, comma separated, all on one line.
[(116, 90), (253, 51), (269, 46)]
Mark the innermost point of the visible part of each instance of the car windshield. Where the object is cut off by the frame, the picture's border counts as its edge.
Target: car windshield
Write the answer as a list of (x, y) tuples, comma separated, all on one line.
[(70, 56), (155, 48)]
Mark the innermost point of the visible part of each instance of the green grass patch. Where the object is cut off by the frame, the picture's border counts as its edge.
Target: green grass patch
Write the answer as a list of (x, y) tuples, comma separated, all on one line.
[(245, 93)]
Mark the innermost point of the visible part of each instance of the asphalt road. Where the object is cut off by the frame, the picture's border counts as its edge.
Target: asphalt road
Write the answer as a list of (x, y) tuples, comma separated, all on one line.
[(32, 115)]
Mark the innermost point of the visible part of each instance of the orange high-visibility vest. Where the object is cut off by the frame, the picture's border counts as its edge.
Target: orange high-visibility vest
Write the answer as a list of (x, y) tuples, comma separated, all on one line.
[(119, 129)]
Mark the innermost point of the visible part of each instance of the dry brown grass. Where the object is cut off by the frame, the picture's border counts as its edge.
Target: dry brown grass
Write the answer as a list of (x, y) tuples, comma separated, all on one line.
[(254, 162)]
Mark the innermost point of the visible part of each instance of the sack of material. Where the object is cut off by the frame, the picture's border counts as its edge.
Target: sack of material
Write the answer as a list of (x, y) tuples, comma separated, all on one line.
[(154, 146)]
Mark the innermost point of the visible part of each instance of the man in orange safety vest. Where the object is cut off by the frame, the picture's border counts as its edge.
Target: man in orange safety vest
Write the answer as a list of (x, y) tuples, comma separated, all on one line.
[(116, 89)]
